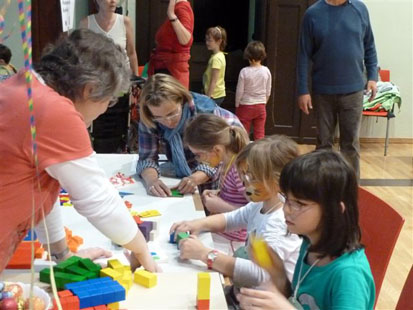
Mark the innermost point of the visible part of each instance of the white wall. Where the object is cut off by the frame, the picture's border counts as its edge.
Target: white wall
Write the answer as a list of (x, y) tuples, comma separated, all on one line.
[(393, 31)]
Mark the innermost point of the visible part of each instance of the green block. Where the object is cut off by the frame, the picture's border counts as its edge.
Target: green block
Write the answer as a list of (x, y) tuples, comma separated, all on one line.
[(45, 275), (181, 235), (71, 261), (89, 265), (176, 193), (63, 278), (77, 270)]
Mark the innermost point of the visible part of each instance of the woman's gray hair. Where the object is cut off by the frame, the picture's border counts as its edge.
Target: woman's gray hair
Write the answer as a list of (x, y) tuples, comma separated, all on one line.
[(85, 58)]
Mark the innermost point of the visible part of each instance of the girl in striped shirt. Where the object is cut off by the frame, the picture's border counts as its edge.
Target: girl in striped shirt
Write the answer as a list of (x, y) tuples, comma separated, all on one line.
[(216, 143)]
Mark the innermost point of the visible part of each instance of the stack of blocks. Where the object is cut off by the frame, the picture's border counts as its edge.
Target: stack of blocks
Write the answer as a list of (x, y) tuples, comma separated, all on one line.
[(118, 272), (145, 278), (149, 229), (179, 237), (22, 257), (73, 242), (74, 269), (94, 293), (203, 291)]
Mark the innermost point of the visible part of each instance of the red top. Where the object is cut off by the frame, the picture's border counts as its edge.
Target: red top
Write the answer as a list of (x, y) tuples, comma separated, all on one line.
[(169, 53), (61, 136), (166, 39)]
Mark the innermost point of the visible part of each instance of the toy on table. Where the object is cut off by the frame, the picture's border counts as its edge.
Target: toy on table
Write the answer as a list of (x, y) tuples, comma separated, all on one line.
[(120, 179), (73, 242), (260, 251), (64, 199), (123, 194), (22, 256), (128, 204), (149, 213), (145, 278), (203, 291), (181, 236), (176, 193), (118, 272)]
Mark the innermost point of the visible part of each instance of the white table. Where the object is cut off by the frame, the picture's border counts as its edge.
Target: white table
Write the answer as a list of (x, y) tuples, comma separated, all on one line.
[(176, 287)]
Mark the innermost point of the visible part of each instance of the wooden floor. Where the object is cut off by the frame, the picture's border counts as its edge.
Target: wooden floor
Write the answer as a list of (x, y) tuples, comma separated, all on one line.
[(391, 178)]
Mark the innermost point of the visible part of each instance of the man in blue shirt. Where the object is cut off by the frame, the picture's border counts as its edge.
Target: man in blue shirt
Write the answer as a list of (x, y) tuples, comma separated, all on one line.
[(337, 41)]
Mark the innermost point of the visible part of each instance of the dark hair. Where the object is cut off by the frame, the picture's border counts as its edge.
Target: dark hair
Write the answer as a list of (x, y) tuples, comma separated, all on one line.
[(85, 58), (327, 179), (255, 50), (218, 33), (5, 53), (204, 131)]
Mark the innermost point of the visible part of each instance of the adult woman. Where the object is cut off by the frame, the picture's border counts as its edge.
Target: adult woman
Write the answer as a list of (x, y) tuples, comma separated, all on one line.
[(165, 107), (74, 83), (173, 42), (115, 26)]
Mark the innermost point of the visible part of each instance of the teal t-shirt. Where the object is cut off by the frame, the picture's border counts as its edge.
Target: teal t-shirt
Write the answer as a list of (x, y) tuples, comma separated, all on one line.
[(344, 283)]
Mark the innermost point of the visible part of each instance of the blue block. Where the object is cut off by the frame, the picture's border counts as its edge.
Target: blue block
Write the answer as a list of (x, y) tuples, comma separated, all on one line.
[(172, 238), (84, 299), (97, 298), (29, 235)]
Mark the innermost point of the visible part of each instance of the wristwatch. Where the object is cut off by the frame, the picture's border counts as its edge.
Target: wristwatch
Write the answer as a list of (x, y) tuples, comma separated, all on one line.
[(211, 257)]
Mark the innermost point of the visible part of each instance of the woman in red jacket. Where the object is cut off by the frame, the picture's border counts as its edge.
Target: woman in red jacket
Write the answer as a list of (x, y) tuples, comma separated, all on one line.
[(173, 42)]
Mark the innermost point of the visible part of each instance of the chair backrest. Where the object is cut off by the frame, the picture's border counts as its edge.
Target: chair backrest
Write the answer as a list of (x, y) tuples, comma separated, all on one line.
[(406, 300), (380, 227)]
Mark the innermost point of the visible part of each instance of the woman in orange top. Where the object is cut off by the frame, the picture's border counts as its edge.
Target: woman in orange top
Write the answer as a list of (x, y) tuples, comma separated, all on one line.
[(74, 82), (173, 42)]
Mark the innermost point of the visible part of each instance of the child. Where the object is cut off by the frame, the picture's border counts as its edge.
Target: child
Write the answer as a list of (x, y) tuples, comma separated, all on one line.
[(260, 164), (332, 272), (214, 75), (253, 90), (213, 141), (6, 68)]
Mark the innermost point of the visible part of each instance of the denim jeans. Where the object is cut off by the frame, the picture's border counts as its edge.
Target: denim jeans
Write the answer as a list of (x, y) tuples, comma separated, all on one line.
[(347, 110)]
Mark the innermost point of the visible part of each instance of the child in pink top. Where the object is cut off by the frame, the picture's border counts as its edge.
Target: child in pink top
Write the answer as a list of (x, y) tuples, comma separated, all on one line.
[(216, 143), (253, 90)]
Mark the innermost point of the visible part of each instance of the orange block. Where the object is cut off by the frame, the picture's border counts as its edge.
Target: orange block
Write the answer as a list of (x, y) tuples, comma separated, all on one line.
[(202, 304), (39, 253), (101, 307), (137, 219), (65, 293)]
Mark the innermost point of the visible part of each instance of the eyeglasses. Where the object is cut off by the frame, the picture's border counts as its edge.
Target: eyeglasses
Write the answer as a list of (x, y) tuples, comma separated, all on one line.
[(164, 119), (113, 102), (294, 205)]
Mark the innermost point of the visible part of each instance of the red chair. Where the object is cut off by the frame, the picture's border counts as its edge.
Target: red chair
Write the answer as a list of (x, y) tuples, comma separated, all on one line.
[(385, 77), (380, 227), (406, 300)]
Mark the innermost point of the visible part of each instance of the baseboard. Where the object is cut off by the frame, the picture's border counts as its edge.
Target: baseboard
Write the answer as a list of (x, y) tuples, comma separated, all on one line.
[(391, 140)]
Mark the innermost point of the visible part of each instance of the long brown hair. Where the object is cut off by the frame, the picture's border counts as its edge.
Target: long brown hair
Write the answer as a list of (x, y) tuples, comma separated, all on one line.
[(204, 131)]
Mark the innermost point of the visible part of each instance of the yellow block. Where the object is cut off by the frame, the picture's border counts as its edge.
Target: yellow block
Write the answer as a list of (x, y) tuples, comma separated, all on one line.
[(109, 272), (204, 285), (260, 251), (115, 264), (145, 278), (113, 306), (149, 213)]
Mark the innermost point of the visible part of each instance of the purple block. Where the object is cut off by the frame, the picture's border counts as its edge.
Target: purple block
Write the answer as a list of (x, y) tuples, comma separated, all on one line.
[(146, 228)]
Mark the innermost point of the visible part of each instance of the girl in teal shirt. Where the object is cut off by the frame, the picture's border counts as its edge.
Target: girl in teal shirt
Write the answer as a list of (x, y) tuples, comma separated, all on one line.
[(319, 190)]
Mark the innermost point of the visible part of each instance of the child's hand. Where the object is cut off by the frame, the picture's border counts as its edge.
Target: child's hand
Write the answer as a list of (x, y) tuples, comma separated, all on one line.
[(213, 203), (192, 248), (256, 299), (145, 260), (193, 227)]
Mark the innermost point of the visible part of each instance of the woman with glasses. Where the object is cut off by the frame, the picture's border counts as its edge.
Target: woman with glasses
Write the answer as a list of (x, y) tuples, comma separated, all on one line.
[(73, 84), (166, 106)]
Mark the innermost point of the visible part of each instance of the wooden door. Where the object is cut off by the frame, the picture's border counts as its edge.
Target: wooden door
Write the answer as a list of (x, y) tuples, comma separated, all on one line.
[(283, 21), (46, 25)]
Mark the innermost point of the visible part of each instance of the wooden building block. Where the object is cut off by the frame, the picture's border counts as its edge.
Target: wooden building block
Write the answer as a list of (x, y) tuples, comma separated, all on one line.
[(115, 264), (109, 272), (145, 278), (202, 304), (204, 285)]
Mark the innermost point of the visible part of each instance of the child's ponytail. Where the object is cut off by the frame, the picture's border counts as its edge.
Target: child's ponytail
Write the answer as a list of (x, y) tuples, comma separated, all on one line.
[(205, 131)]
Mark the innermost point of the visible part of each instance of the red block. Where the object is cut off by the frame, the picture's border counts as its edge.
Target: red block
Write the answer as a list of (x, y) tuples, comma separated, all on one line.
[(202, 304), (65, 293), (101, 307)]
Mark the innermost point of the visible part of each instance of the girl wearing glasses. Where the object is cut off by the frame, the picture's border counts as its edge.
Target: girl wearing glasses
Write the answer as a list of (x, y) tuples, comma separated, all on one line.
[(332, 272), (166, 106), (260, 164)]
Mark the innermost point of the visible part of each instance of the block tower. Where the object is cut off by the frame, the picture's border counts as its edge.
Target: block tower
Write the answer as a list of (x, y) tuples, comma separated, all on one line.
[(203, 291)]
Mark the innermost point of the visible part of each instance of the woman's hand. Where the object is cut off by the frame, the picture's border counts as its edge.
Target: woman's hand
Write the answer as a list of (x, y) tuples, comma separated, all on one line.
[(187, 185), (194, 227), (256, 299), (158, 188), (192, 248), (171, 9)]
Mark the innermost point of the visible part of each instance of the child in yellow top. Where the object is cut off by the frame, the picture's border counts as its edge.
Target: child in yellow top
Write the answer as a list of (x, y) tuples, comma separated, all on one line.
[(214, 75)]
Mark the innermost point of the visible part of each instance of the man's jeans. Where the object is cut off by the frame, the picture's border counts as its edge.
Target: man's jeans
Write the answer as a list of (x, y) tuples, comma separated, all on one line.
[(347, 109)]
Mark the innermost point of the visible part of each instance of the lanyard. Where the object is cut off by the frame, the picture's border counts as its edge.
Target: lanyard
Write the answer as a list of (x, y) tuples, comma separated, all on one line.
[(300, 280)]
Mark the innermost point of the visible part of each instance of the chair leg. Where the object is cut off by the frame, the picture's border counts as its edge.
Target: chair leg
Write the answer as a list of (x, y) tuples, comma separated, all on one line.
[(386, 142)]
